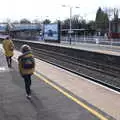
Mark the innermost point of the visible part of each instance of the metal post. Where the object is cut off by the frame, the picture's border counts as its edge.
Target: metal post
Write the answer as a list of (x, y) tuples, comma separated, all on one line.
[(84, 36), (109, 27), (70, 24), (110, 31), (70, 29)]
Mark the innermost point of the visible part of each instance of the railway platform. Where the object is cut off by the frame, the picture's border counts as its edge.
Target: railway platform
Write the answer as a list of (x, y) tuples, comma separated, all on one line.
[(100, 48), (56, 95)]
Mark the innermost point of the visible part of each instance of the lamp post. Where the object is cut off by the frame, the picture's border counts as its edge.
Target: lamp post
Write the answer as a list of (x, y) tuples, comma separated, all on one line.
[(70, 24), (109, 12), (70, 29)]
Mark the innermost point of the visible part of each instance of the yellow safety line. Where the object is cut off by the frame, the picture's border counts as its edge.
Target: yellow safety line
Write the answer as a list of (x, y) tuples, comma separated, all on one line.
[(71, 97)]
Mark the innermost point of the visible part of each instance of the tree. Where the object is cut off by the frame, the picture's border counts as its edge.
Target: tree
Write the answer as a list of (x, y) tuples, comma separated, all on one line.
[(101, 20), (9, 27), (83, 24), (36, 21), (15, 22), (76, 24), (25, 21), (91, 25), (66, 24), (116, 19), (46, 21), (57, 21), (116, 14)]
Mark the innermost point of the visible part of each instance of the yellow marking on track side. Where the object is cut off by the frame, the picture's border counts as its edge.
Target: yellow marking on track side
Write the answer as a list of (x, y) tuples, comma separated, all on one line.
[(71, 97)]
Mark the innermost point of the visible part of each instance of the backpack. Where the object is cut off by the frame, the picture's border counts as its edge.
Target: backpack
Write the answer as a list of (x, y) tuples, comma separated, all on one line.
[(11, 47), (28, 62)]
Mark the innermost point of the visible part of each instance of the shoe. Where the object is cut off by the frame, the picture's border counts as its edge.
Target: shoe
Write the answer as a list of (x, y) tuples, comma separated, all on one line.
[(28, 96), (8, 66)]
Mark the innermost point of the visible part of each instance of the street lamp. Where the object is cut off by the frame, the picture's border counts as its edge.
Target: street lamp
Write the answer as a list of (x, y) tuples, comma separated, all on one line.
[(70, 30), (109, 11)]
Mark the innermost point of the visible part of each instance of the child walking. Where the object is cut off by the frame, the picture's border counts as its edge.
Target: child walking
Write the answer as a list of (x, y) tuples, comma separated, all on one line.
[(8, 49), (26, 65)]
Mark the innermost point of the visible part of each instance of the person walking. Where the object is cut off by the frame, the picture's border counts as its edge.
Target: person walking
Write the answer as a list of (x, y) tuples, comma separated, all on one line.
[(26, 64), (8, 50)]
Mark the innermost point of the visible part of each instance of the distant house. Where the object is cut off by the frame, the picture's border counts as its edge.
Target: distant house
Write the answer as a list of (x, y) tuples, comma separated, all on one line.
[(115, 29)]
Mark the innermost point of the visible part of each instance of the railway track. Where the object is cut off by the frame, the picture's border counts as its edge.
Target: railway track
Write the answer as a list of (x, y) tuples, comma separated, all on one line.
[(104, 74)]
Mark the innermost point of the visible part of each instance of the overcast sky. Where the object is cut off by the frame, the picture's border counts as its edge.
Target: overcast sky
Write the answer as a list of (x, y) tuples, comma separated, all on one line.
[(51, 9)]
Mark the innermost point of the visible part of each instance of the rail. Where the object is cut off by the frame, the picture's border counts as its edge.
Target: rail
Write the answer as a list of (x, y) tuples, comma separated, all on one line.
[(105, 74)]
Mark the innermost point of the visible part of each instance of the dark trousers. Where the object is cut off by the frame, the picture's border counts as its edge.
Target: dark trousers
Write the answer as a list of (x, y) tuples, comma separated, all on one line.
[(27, 80), (9, 61)]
